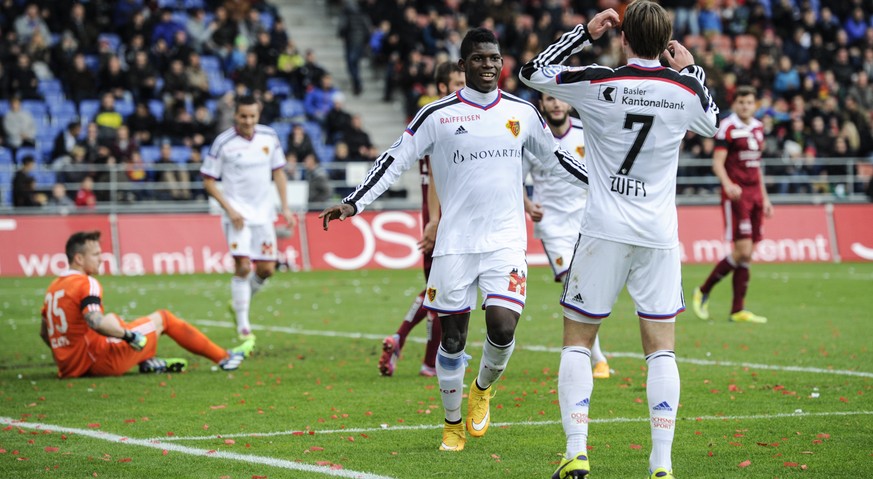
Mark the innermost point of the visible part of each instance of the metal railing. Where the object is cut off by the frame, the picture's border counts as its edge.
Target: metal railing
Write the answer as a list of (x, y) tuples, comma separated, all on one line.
[(822, 180)]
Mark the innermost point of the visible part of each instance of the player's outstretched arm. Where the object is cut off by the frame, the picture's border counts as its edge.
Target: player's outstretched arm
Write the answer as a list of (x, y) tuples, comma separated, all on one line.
[(336, 212), (110, 325)]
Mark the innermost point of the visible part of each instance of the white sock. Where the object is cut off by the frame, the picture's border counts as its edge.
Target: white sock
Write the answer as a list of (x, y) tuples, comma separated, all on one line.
[(596, 354), (494, 360), (575, 384), (662, 390), (256, 282), (413, 308), (241, 296), (450, 372)]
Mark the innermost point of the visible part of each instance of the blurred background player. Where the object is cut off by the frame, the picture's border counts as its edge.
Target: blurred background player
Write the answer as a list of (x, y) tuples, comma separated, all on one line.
[(449, 78), (245, 158), (85, 342), (636, 116), (736, 162), (556, 207)]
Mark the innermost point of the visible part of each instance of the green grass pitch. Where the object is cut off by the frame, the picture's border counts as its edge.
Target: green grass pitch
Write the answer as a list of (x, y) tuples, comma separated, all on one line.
[(791, 398)]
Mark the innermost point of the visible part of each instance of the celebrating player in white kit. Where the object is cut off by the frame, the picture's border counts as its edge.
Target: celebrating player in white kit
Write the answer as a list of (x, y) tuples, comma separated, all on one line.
[(247, 158), (636, 117), (556, 207), (475, 138)]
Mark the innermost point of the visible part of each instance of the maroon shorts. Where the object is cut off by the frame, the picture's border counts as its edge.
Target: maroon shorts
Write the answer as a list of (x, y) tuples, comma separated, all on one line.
[(744, 218)]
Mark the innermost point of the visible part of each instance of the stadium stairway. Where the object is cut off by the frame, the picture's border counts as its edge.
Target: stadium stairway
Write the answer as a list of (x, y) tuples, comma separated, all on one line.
[(313, 24)]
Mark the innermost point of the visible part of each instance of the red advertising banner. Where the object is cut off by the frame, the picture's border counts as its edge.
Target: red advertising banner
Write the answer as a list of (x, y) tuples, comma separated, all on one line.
[(854, 228), (794, 233), (34, 245), (181, 244)]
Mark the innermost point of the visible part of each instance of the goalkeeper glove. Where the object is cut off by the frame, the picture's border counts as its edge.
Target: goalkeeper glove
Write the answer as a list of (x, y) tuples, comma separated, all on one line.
[(135, 339)]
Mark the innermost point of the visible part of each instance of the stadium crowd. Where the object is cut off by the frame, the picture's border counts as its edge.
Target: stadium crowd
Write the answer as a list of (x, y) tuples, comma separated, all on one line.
[(146, 85), (810, 62)]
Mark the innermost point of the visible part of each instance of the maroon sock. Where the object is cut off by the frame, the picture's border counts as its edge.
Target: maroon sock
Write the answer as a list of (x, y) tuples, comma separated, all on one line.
[(722, 269), (413, 317), (433, 342), (741, 284)]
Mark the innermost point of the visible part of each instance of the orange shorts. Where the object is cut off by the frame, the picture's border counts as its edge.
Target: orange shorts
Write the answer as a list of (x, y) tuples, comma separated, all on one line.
[(116, 357)]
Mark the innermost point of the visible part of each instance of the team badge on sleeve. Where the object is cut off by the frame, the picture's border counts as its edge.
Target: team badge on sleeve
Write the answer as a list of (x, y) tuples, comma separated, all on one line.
[(514, 127), (517, 282), (431, 294)]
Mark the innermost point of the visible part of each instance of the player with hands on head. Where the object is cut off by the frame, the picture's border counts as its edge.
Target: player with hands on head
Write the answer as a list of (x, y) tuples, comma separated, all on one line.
[(635, 118), (475, 139), (556, 207), (449, 78), (736, 162), (86, 342), (247, 158)]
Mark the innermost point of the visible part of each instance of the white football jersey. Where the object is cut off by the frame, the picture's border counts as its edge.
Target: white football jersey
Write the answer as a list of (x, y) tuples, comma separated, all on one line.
[(563, 203), (635, 118), (245, 167), (475, 142)]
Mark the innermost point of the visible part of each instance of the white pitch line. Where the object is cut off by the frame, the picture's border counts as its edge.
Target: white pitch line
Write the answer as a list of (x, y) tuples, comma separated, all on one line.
[(422, 427), (158, 444), (537, 348)]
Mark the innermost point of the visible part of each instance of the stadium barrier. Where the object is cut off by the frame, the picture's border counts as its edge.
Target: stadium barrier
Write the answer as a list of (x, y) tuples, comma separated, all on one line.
[(139, 244)]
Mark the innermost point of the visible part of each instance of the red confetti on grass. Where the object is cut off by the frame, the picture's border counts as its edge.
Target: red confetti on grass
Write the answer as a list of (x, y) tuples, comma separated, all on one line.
[(165, 452), (297, 433), (745, 463), (823, 435), (323, 463), (229, 442), (125, 459), (316, 448), (171, 433), (636, 447), (219, 406), (94, 425), (843, 399), (790, 464), (259, 477), (51, 449)]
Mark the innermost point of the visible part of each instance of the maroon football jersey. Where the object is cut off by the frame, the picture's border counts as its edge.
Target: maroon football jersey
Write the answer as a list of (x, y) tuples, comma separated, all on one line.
[(744, 143)]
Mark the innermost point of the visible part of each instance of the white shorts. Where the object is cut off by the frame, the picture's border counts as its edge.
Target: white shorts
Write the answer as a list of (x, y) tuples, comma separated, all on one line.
[(501, 275), (600, 269), (559, 250), (257, 242)]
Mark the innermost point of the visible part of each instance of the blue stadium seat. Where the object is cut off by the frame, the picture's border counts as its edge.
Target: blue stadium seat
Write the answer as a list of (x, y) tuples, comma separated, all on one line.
[(283, 130), (316, 134), (27, 151), (44, 177), (267, 20), (290, 109), (125, 107), (193, 4), (210, 64), (92, 62), (4, 107), (325, 153), (6, 187), (180, 154), (64, 118), (5, 157), (156, 107), (150, 154), (50, 86), (66, 106), (212, 106), (45, 147), (53, 97), (42, 121), (112, 39), (34, 107), (88, 110), (181, 18), (218, 85), (280, 87)]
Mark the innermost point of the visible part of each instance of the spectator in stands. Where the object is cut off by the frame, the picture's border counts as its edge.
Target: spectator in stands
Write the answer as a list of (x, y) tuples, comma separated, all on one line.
[(142, 77), (176, 88), (165, 29), (127, 52), (251, 74), (123, 146), (266, 52), (79, 81), (74, 169), (270, 108), (278, 36), (66, 140), (85, 197), (199, 31), (358, 141), (173, 178), (288, 62), (108, 119), (114, 79), (320, 189), (18, 126), (787, 80), (195, 162), (318, 101), (181, 128), (354, 29), (23, 80), (224, 112), (856, 25), (338, 120), (63, 55), (224, 32), (299, 145), (198, 80), (82, 28), (5, 89), (30, 22), (136, 174), (23, 183), (143, 125), (180, 48), (40, 55), (307, 75), (59, 202), (159, 55), (204, 126)]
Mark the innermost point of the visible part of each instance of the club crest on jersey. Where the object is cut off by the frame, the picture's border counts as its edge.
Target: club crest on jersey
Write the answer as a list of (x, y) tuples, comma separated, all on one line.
[(560, 261), (517, 281), (581, 150), (431, 294), (514, 127), (266, 150), (233, 245)]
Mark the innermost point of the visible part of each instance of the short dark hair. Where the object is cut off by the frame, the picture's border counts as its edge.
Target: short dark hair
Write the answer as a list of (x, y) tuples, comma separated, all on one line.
[(647, 28), (28, 159), (476, 35), (245, 100), (745, 90), (443, 72), (76, 242)]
